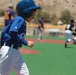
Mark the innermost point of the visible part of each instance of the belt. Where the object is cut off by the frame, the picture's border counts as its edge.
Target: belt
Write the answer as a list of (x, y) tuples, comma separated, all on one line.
[(15, 47), (12, 46)]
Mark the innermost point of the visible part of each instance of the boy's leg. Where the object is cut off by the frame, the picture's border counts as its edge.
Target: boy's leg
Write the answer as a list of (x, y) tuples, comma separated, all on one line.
[(6, 60), (40, 35), (68, 37), (65, 45), (20, 67)]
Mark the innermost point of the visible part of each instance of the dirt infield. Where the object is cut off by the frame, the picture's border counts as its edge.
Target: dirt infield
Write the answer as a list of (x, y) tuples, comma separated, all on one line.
[(25, 51), (49, 41)]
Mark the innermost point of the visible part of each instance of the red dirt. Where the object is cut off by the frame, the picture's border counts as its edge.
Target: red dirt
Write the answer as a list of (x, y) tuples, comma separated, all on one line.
[(49, 41), (26, 51)]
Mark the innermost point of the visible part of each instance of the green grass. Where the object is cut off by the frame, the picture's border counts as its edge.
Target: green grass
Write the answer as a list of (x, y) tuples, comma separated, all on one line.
[(53, 59), (47, 37)]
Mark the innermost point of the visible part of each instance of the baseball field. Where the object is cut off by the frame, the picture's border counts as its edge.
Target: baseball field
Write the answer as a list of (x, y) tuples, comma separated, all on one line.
[(49, 57)]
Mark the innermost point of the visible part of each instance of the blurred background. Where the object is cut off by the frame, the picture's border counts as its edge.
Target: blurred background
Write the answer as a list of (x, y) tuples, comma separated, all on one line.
[(52, 57), (56, 13)]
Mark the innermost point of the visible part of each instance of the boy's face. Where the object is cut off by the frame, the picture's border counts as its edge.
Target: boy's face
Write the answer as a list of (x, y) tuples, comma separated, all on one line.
[(31, 17)]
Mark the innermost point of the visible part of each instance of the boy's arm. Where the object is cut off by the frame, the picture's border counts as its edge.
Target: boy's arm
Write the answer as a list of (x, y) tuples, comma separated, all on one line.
[(16, 37)]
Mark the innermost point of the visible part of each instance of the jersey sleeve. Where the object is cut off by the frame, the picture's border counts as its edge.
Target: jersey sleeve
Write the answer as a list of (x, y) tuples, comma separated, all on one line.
[(14, 31), (17, 37), (15, 25)]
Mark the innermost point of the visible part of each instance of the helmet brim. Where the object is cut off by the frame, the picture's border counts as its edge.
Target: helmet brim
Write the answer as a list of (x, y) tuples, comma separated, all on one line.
[(35, 7), (31, 8)]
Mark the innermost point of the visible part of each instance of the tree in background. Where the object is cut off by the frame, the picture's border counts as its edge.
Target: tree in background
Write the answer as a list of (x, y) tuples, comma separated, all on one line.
[(65, 16), (44, 14), (54, 19), (1, 12)]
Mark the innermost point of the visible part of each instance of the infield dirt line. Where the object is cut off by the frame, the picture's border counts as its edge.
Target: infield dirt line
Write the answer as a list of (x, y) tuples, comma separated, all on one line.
[(48, 41)]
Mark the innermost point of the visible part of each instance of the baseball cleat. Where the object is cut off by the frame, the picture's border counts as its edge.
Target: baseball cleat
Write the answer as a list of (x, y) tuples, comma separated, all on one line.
[(65, 45)]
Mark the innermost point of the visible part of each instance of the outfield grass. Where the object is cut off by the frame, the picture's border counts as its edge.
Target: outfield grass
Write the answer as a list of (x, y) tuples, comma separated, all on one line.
[(53, 59), (47, 37)]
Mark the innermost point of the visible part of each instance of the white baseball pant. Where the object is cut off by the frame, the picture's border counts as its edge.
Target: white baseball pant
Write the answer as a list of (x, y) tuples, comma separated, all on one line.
[(11, 58), (40, 32), (68, 35)]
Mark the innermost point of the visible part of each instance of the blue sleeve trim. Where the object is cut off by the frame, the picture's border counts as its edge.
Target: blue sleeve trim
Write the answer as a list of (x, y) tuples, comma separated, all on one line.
[(18, 38)]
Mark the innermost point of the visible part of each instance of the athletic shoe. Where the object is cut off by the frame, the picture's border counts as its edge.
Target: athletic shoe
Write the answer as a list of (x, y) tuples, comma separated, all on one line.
[(65, 45)]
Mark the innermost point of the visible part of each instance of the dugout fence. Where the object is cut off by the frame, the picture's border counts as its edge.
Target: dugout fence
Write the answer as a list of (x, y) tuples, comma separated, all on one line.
[(50, 30)]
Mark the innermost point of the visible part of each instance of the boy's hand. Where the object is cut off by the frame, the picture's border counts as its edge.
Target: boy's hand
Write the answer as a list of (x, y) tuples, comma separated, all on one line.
[(30, 44)]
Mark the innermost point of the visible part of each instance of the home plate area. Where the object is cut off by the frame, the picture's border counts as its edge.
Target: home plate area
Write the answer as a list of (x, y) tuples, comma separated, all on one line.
[(26, 51)]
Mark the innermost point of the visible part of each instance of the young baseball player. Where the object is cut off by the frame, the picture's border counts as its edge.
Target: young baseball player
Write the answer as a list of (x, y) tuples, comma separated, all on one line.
[(12, 38), (74, 34), (9, 14), (40, 28), (68, 33)]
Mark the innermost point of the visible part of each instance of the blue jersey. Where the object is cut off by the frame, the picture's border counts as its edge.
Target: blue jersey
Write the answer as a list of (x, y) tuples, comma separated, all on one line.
[(14, 33)]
